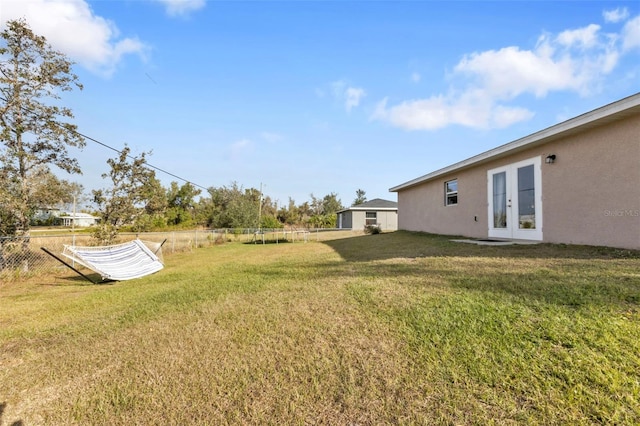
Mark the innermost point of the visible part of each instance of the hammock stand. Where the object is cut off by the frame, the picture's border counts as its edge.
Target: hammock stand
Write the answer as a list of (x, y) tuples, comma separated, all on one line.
[(118, 262)]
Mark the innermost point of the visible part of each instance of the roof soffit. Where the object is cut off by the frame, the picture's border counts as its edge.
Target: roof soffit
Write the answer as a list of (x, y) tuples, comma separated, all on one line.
[(607, 114)]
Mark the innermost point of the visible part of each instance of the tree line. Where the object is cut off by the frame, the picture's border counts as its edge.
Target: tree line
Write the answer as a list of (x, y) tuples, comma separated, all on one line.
[(136, 200), (36, 133)]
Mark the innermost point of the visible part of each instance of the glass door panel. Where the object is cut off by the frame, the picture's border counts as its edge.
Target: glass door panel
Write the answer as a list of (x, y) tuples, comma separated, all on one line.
[(500, 200), (515, 202), (526, 198)]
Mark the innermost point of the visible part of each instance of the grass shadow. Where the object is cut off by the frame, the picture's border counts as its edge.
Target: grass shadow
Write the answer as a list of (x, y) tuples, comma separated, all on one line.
[(568, 284), (569, 289), (3, 406), (77, 280), (266, 242), (405, 244), (563, 275)]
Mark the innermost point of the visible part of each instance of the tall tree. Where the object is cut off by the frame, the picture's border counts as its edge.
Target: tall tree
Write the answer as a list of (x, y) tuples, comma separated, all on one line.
[(268, 219), (289, 214), (155, 206), (232, 207), (35, 133), (316, 205), (305, 212), (49, 190), (125, 201), (181, 203), (72, 196), (331, 204), (8, 218), (361, 197), (323, 211)]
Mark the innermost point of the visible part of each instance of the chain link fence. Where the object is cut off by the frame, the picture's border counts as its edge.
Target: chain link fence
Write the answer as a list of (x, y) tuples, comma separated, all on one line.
[(24, 258)]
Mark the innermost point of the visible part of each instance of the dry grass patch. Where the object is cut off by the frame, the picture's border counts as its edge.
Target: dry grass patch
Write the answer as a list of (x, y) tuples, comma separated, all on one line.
[(385, 329), (292, 348)]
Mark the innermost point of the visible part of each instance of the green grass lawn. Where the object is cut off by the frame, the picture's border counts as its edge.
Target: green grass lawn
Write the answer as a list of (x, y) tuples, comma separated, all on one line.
[(399, 328)]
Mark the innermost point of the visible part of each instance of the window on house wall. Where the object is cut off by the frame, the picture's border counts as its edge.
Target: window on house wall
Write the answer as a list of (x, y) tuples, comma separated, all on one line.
[(371, 218), (451, 192)]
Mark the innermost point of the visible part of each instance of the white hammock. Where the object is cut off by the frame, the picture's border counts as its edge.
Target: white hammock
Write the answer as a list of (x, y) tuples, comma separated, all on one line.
[(117, 262)]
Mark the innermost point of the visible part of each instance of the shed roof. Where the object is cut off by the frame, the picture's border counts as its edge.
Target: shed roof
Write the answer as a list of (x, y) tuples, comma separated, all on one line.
[(78, 216), (598, 117), (375, 204)]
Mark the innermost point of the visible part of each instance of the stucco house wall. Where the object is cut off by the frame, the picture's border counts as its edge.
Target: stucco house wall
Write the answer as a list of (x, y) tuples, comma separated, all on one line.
[(422, 208), (345, 219), (80, 220), (590, 194), (355, 217), (45, 213), (387, 220), (357, 220)]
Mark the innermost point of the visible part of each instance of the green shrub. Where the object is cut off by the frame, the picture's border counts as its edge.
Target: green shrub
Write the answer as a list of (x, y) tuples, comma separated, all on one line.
[(372, 229)]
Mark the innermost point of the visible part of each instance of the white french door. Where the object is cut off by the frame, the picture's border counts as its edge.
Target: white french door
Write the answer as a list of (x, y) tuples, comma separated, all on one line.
[(515, 200)]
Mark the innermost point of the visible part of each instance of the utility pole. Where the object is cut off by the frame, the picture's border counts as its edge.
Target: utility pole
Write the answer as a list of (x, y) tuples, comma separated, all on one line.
[(260, 208), (73, 228), (73, 223)]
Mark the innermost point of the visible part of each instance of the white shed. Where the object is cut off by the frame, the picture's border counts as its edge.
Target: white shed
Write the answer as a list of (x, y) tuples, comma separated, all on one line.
[(79, 219)]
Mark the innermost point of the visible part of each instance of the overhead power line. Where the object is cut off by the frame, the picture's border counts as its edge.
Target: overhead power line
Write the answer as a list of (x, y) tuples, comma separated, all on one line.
[(146, 163), (120, 152)]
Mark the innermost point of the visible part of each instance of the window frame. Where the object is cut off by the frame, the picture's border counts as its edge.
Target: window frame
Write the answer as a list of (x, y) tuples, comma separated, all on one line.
[(367, 218), (450, 196)]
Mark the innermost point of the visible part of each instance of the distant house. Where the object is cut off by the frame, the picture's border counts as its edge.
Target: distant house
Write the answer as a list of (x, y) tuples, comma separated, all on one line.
[(377, 212), (79, 219), (577, 182), (45, 215)]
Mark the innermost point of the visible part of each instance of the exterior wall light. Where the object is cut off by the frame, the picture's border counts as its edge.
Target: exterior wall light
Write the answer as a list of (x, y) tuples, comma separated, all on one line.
[(550, 159)]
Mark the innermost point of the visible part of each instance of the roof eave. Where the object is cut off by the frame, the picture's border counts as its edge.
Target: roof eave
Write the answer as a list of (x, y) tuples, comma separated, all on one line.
[(602, 114), (366, 209)]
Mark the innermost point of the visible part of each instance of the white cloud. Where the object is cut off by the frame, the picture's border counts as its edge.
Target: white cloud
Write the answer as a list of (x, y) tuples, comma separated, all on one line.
[(502, 116), (483, 83), (71, 27), (509, 72), (585, 37), (415, 77), (182, 7), (439, 111), (351, 96), (616, 15), (631, 34)]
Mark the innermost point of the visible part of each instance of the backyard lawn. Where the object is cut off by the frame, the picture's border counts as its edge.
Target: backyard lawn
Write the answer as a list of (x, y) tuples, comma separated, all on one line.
[(397, 328)]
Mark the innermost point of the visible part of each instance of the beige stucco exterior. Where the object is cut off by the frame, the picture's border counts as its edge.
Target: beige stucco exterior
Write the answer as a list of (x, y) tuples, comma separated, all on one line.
[(589, 195), (387, 220)]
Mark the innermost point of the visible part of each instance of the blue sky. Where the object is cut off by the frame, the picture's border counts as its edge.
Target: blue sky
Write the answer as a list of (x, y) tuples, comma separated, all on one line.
[(329, 96)]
